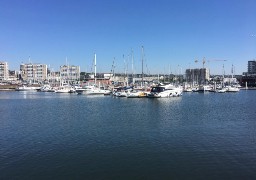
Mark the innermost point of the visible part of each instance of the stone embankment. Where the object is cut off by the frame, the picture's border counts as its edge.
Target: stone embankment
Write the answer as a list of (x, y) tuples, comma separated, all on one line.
[(8, 87), (12, 87)]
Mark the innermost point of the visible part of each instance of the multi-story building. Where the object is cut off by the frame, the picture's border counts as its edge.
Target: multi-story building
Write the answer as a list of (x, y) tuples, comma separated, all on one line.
[(70, 73), (53, 78), (33, 72), (4, 71), (249, 78), (252, 67), (199, 76)]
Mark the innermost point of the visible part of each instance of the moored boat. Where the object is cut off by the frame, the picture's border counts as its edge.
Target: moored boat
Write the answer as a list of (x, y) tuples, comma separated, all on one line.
[(136, 94), (93, 90), (222, 90), (65, 89), (232, 89), (164, 91), (27, 88), (46, 88), (204, 88)]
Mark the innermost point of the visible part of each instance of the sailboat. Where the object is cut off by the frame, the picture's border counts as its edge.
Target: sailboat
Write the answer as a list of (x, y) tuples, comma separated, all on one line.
[(65, 87), (232, 87), (93, 89)]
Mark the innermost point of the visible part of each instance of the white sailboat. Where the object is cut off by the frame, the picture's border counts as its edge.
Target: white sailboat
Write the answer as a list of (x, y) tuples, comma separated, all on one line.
[(232, 87), (93, 89), (65, 88)]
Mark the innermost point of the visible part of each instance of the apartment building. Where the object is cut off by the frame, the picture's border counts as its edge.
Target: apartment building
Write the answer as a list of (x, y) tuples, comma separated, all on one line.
[(199, 76), (70, 73), (4, 71), (252, 67), (33, 72)]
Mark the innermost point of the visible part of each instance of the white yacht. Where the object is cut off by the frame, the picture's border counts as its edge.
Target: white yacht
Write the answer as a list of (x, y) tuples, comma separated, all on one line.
[(93, 90), (133, 94), (65, 89), (136, 94), (121, 94), (187, 89), (232, 89), (46, 88), (27, 88), (204, 88), (221, 90), (165, 91)]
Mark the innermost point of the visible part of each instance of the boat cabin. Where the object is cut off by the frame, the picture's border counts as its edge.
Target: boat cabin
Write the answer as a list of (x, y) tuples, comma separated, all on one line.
[(157, 89)]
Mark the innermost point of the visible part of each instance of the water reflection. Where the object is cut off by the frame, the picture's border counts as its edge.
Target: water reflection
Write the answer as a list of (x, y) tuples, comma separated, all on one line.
[(34, 95), (101, 137)]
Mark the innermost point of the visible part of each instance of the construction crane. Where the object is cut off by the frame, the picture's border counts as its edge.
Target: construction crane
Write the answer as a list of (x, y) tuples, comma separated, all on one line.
[(204, 61), (217, 60)]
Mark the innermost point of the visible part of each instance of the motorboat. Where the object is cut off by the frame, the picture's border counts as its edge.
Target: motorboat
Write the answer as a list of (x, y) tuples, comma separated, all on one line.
[(65, 89), (232, 89), (27, 88), (188, 89), (164, 91), (121, 94), (133, 94), (204, 88), (46, 88), (93, 90), (222, 90)]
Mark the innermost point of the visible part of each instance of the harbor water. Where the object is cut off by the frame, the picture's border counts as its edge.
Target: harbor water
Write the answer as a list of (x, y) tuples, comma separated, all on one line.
[(69, 136)]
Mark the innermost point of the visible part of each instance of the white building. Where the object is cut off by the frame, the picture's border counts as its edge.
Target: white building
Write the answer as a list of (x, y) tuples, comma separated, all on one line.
[(4, 71), (70, 73), (33, 72)]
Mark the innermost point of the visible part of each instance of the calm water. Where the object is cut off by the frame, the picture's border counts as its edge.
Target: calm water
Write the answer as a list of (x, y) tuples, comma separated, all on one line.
[(67, 136)]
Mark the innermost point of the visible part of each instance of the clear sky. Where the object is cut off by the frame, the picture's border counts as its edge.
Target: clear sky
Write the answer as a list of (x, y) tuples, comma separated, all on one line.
[(174, 33)]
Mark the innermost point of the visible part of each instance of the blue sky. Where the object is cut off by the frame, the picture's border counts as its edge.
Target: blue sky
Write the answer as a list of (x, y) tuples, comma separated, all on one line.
[(174, 33)]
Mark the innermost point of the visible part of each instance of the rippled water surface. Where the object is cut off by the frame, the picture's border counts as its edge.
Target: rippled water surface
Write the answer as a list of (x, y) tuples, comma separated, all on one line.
[(69, 136)]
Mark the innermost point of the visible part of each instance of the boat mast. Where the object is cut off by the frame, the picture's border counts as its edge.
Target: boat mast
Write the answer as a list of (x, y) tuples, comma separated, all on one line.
[(124, 70), (95, 69), (169, 77), (223, 75), (132, 66), (127, 76), (67, 65), (113, 70), (232, 72), (142, 75)]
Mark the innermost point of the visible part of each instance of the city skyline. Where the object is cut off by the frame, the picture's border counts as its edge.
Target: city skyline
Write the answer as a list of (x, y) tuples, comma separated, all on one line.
[(174, 34)]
